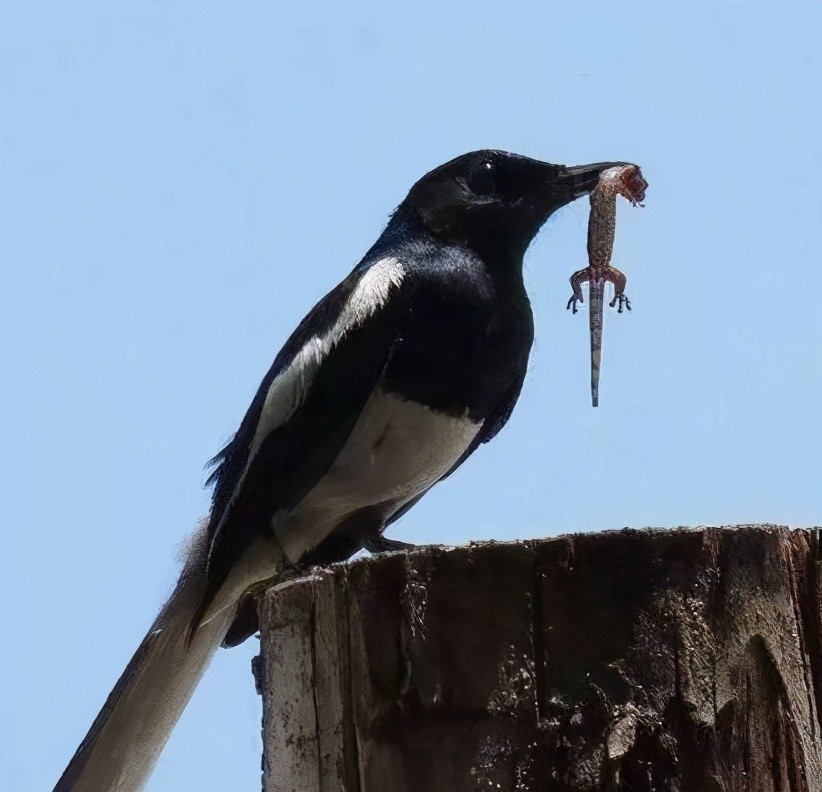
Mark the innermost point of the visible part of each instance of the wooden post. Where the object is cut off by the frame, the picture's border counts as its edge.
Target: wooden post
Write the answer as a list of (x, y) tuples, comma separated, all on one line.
[(679, 661)]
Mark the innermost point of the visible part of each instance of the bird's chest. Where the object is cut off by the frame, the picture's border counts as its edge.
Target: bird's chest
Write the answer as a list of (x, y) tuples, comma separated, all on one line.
[(460, 354), (397, 450)]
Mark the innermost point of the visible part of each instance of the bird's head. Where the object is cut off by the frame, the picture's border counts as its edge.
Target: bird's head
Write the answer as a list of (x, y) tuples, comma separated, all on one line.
[(495, 202)]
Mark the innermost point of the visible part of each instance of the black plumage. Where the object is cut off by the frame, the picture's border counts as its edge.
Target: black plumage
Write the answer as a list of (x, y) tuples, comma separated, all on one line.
[(389, 384), (454, 336)]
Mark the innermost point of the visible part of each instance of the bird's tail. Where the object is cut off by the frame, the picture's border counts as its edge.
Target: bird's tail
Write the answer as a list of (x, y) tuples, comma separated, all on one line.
[(125, 741)]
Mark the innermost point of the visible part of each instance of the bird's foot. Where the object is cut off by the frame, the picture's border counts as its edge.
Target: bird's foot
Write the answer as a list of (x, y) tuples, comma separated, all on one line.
[(380, 544)]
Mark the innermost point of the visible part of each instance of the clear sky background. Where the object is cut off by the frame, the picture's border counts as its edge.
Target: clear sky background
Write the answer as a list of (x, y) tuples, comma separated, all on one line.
[(179, 182)]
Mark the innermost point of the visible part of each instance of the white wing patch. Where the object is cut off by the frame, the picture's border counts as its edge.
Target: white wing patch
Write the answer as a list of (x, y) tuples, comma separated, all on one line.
[(289, 388), (370, 295)]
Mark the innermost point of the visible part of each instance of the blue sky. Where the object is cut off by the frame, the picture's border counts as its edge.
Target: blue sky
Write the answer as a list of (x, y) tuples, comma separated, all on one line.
[(179, 182)]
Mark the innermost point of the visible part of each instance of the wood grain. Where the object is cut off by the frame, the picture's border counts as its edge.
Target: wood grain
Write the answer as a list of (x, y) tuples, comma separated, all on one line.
[(681, 660)]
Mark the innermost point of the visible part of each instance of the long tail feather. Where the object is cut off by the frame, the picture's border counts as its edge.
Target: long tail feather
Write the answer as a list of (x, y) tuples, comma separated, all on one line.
[(125, 741)]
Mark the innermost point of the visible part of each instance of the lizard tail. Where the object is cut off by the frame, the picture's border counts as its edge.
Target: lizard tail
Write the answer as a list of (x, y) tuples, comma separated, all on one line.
[(595, 316)]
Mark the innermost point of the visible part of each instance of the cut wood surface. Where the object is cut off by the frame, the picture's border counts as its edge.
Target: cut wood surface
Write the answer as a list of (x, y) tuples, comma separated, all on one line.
[(681, 660)]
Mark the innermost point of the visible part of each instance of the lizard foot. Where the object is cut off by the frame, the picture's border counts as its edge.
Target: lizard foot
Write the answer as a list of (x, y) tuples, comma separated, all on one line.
[(622, 300)]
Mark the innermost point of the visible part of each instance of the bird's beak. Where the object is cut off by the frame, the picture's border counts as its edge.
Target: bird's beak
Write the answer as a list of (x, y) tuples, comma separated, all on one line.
[(579, 180), (563, 184)]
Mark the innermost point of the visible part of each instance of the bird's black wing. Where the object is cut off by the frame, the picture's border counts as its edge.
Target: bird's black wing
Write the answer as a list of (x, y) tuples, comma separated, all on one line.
[(229, 464), (305, 409), (494, 423)]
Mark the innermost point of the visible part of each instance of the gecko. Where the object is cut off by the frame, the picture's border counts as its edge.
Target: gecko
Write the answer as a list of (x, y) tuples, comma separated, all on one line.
[(625, 180)]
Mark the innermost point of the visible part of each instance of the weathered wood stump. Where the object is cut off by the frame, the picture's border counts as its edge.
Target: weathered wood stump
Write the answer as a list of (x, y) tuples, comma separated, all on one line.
[(687, 660)]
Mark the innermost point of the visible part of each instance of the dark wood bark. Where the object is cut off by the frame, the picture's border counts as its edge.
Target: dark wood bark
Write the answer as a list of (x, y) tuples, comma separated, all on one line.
[(682, 660)]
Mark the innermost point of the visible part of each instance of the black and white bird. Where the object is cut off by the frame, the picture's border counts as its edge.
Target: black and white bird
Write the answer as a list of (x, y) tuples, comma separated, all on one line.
[(387, 386)]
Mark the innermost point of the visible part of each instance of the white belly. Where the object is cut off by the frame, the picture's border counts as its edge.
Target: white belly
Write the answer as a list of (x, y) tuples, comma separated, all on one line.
[(397, 450)]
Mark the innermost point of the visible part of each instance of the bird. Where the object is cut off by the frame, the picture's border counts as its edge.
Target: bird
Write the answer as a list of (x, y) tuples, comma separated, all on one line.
[(390, 382)]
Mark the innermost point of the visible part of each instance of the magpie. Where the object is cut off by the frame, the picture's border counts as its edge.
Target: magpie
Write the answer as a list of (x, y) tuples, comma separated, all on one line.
[(390, 382)]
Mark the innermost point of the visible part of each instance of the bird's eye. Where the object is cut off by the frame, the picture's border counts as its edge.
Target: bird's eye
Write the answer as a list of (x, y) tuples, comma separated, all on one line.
[(482, 179)]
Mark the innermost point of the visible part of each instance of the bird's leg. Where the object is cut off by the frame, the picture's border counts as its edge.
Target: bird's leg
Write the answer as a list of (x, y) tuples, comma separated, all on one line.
[(379, 544)]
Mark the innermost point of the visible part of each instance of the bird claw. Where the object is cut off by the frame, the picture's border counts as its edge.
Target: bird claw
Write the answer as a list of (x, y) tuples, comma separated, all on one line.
[(572, 303), (380, 544)]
